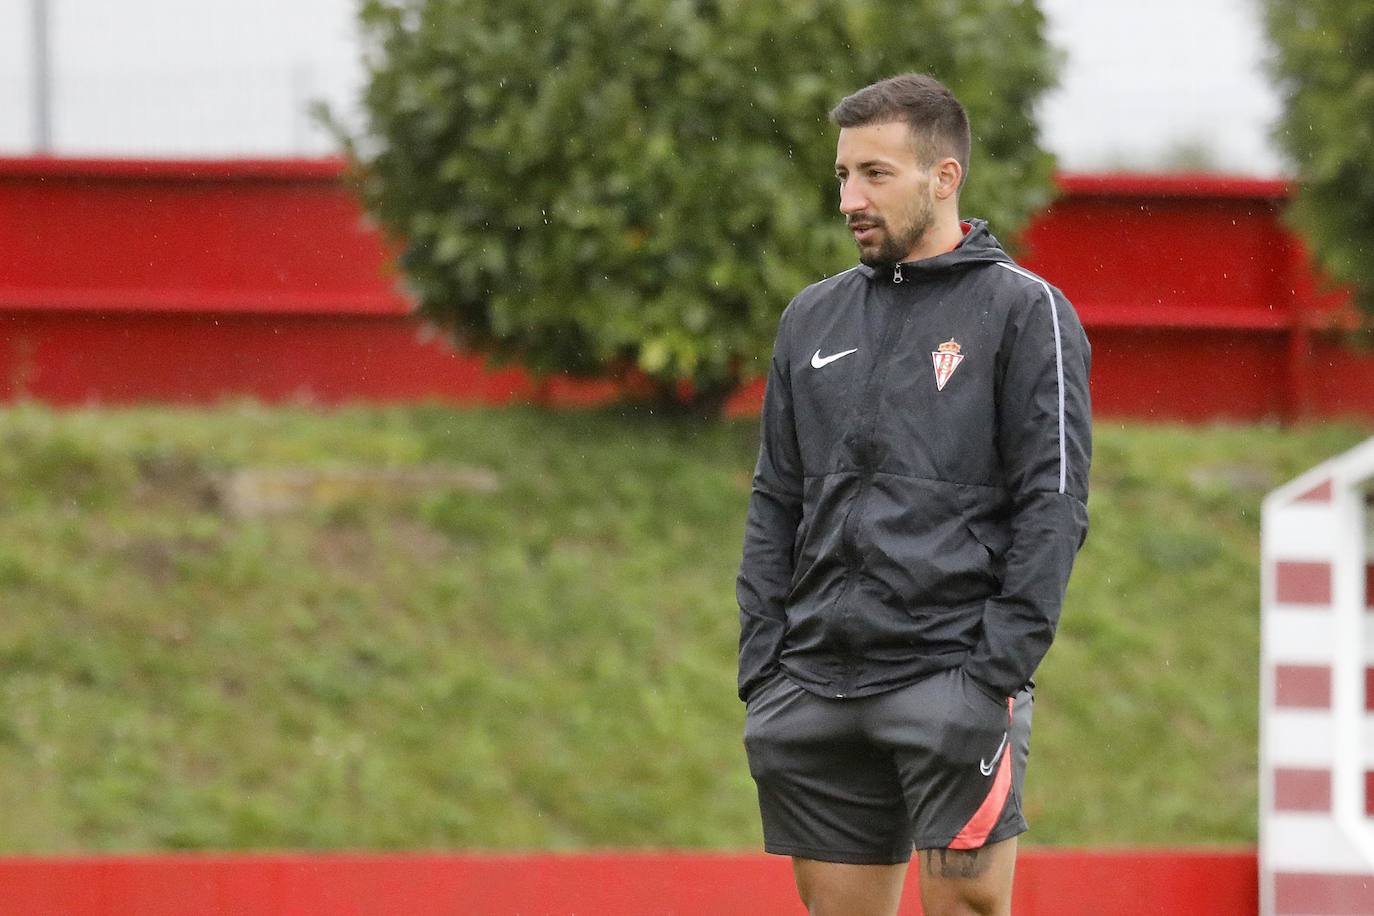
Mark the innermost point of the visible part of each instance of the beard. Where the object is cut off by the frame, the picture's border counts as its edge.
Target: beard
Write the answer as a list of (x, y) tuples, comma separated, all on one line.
[(893, 245)]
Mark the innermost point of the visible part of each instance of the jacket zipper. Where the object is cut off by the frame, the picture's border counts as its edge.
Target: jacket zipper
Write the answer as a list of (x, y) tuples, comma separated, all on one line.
[(867, 422)]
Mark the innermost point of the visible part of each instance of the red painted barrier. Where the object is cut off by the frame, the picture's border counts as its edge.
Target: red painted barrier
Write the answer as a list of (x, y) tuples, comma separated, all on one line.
[(1048, 883), (127, 281), (1199, 303)]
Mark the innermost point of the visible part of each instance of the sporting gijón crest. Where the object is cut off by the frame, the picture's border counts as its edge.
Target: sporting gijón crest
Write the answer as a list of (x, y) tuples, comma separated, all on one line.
[(947, 358)]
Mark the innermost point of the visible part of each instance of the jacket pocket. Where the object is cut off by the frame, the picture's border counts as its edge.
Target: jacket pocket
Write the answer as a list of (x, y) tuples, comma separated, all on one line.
[(817, 548), (920, 545), (811, 488), (995, 541), (987, 527)]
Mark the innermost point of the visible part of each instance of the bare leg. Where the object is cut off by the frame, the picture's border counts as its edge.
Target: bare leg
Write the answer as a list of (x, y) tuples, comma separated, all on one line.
[(967, 882), (837, 889)]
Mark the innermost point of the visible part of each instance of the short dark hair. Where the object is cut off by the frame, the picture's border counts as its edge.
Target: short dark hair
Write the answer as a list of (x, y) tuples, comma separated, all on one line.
[(938, 123)]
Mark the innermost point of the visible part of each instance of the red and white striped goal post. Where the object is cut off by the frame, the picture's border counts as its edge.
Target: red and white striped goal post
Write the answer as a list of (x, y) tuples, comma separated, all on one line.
[(1316, 779)]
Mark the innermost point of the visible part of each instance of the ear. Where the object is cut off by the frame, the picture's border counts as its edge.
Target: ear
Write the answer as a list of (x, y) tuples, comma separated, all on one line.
[(947, 174)]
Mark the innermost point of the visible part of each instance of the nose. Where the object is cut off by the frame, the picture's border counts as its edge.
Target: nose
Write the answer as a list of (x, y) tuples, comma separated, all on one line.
[(852, 198)]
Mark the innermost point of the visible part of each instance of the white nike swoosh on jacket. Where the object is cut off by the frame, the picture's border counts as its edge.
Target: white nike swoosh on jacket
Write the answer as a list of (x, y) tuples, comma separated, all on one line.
[(817, 361)]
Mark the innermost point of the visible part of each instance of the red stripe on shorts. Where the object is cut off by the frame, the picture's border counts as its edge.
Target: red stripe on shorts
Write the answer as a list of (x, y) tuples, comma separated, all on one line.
[(975, 833)]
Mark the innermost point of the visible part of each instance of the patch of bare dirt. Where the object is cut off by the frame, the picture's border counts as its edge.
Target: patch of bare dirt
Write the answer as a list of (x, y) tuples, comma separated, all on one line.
[(259, 492)]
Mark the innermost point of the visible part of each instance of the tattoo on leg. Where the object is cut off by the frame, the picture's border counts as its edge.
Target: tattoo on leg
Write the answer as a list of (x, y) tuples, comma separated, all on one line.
[(954, 863)]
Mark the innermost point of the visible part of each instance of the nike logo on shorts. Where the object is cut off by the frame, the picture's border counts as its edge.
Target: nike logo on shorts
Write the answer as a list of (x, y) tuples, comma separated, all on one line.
[(987, 766), (817, 361)]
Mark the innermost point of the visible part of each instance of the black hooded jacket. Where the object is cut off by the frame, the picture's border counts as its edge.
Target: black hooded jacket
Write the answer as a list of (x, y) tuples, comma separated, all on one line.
[(922, 480)]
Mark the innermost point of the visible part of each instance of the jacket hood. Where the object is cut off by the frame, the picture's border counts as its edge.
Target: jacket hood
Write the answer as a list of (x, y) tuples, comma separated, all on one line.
[(979, 245)]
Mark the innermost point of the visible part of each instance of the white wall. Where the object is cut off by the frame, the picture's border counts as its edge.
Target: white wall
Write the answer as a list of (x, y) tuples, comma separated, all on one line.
[(1142, 80), (180, 77)]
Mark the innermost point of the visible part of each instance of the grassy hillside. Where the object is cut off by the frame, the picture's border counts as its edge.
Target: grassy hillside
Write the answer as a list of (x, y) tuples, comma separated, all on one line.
[(517, 629)]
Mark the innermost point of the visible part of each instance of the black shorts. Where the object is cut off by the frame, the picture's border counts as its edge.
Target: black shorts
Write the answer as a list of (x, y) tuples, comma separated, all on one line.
[(937, 764)]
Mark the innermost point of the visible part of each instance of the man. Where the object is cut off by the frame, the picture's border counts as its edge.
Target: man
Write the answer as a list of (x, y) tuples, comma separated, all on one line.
[(919, 498)]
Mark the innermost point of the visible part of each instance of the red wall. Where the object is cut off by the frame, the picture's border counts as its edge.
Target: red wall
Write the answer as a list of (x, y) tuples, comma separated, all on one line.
[(1199, 303), (1048, 883), (123, 282), (128, 281)]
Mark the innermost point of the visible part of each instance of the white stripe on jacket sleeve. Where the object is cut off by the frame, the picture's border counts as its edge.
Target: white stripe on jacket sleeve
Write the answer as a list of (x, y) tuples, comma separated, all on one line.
[(1058, 366)]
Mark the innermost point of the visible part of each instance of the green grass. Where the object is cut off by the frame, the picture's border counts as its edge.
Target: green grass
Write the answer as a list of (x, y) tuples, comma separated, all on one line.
[(549, 664)]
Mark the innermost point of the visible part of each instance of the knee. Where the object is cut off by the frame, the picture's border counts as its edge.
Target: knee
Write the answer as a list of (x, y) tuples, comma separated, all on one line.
[(983, 904), (968, 902)]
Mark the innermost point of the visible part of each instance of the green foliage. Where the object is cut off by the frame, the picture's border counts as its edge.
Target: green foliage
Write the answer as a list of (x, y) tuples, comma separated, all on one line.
[(599, 186), (549, 664), (1325, 68)]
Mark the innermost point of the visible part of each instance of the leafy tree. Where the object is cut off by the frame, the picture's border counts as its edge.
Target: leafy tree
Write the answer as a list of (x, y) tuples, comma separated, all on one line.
[(604, 186), (1324, 63)]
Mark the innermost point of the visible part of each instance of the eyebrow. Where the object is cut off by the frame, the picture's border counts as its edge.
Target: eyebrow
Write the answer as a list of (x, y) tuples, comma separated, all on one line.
[(867, 163)]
